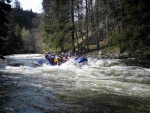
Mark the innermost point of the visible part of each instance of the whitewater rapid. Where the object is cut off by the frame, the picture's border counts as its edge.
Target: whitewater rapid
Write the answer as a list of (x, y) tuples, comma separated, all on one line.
[(72, 80)]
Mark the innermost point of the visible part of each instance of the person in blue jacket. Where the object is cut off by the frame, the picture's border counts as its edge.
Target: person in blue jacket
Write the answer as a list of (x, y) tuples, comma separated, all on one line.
[(52, 57)]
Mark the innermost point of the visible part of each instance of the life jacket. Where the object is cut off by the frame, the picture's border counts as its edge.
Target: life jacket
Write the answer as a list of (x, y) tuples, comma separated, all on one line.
[(56, 59)]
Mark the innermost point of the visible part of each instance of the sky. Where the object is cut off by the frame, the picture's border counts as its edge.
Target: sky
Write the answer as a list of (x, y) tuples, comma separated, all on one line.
[(35, 5)]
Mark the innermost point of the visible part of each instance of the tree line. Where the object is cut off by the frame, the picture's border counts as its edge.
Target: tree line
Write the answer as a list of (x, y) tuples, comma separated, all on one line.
[(19, 29), (70, 22), (76, 25)]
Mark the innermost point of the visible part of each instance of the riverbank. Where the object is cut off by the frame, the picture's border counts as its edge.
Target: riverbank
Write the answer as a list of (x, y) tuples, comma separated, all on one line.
[(116, 54), (2, 62), (2, 57), (102, 54)]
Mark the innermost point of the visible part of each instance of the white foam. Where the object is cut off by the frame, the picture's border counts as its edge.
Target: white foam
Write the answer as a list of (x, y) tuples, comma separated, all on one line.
[(25, 56), (97, 74)]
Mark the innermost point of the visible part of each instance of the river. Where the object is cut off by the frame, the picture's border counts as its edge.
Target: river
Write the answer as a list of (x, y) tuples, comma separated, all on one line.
[(100, 86)]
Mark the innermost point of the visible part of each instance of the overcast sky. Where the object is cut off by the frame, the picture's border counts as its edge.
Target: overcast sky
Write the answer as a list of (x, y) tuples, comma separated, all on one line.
[(35, 5)]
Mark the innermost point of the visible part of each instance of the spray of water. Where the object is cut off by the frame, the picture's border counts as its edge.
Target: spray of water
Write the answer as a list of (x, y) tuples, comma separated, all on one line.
[(96, 77)]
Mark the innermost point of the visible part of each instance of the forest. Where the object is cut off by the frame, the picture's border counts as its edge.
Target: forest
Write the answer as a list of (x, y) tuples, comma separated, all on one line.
[(19, 29), (76, 25)]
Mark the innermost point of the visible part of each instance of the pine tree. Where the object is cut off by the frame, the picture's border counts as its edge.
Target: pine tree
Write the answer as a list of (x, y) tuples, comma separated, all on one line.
[(4, 25), (137, 26), (57, 23)]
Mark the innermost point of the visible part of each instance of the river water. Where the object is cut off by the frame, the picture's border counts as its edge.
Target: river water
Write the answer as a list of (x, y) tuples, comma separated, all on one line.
[(99, 86)]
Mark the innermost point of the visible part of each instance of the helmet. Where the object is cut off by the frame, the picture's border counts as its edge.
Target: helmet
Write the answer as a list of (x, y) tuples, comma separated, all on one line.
[(66, 54)]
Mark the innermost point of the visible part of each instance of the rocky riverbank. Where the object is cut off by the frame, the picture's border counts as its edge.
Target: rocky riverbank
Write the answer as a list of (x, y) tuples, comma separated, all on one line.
[(2, 57), (2, 62), (116, 54)]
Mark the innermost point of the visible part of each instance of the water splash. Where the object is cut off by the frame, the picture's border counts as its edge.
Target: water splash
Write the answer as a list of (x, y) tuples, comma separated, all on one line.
[(40, 85)]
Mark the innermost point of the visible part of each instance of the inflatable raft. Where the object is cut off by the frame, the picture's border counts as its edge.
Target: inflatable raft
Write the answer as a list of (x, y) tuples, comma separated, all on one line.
[(81, 59), (77, 60)]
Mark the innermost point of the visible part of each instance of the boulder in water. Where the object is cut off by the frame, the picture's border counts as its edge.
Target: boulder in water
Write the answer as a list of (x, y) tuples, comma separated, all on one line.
[(2, 57)]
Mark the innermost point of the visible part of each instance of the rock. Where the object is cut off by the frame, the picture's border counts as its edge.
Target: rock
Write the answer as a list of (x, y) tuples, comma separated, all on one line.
[(124, 55), (15, 64), (2, 57), (100, 53)]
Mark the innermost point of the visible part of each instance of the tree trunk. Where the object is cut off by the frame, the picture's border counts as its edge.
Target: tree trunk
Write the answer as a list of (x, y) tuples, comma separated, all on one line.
[(72, 18), (97, 27), (87, 30)]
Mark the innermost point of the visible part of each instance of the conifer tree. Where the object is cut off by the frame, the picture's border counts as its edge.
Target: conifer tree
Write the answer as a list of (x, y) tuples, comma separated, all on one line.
[(4, 24), (137, 26), (57, 23)]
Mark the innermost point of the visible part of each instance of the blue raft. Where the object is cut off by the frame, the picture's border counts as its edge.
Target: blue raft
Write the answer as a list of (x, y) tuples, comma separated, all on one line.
[(78, 60), (41, 61), (81, 59)]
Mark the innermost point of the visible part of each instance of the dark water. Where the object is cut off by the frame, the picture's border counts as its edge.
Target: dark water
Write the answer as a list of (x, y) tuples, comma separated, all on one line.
[(100, 86)]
